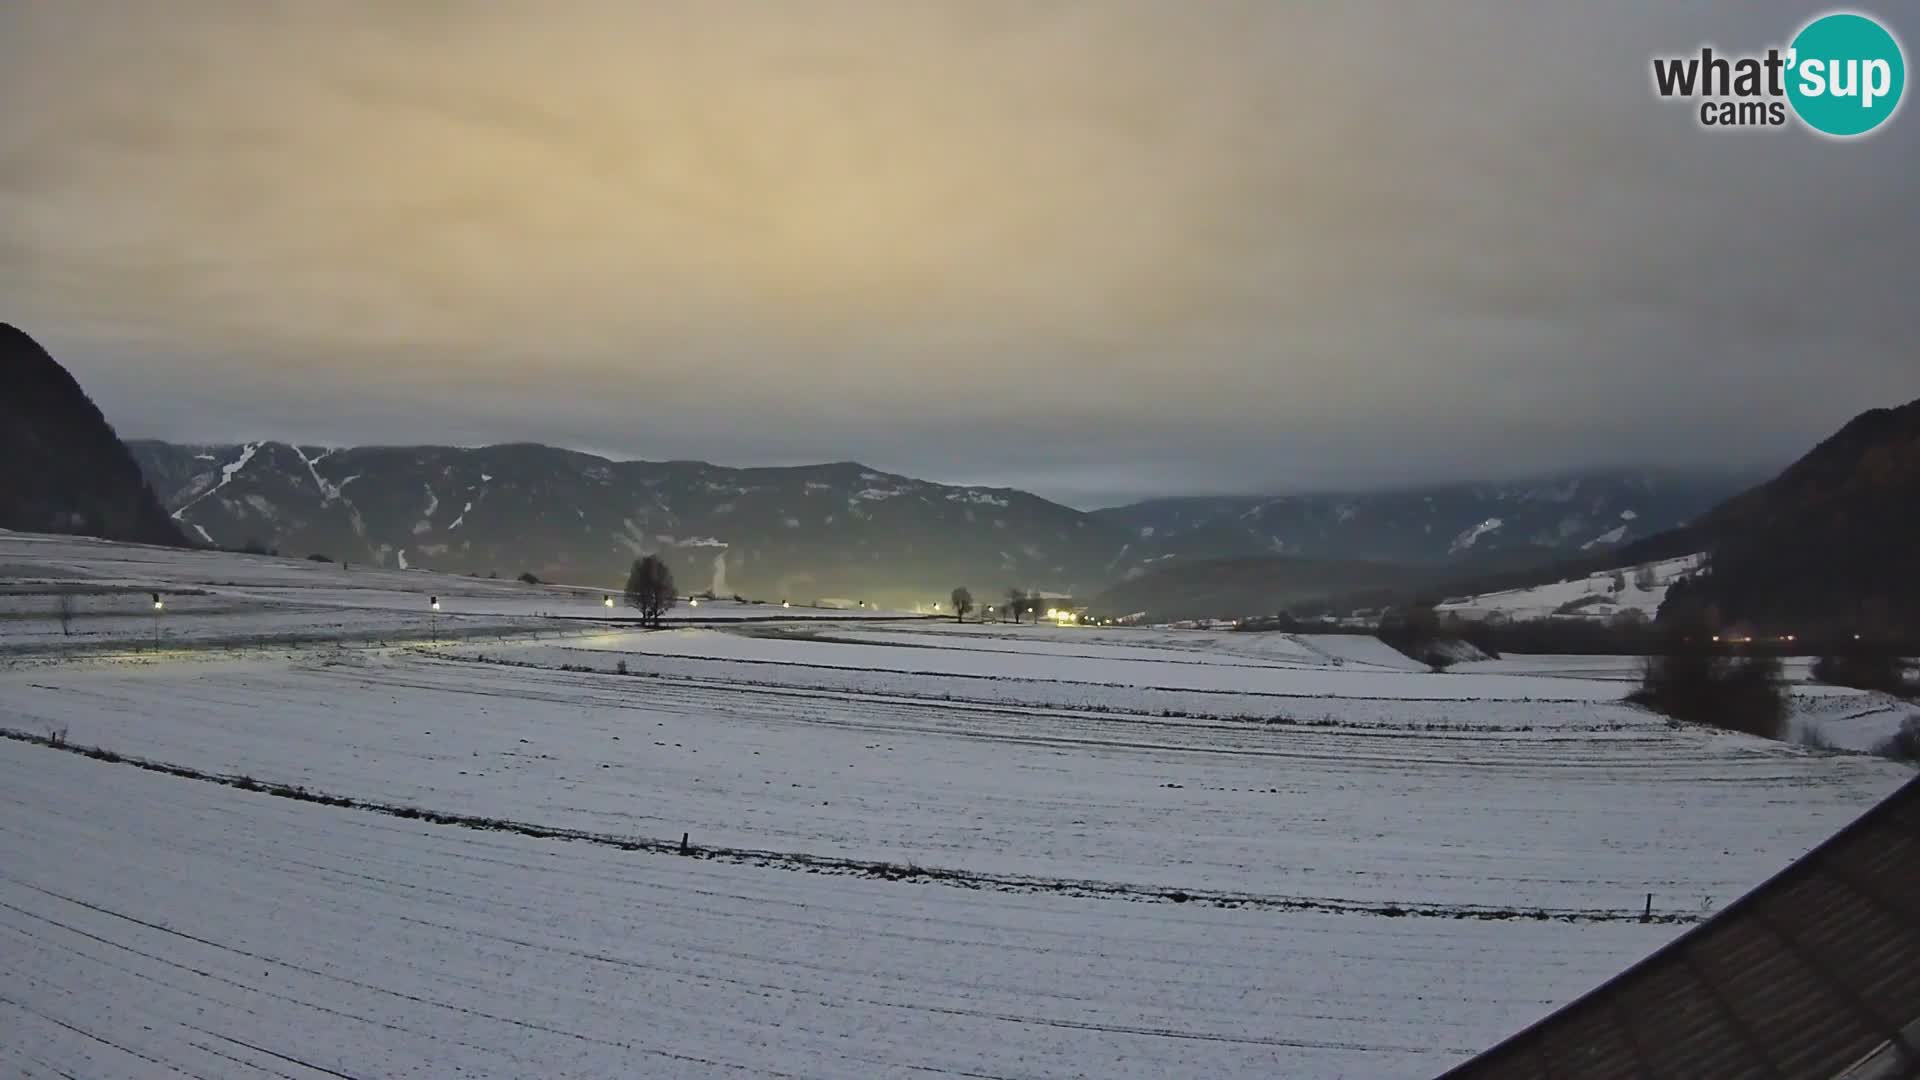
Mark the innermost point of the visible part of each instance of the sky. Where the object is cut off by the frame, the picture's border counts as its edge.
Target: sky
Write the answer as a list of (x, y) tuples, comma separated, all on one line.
[(1097, 250)]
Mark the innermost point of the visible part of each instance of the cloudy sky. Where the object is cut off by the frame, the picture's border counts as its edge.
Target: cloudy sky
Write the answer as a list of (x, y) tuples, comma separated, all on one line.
[(1096, 249)]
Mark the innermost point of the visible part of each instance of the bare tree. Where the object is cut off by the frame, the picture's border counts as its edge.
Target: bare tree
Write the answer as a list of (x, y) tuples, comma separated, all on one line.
[(63, 609), (650, 589), (962, 603), (1016, 603), (1644, 579)]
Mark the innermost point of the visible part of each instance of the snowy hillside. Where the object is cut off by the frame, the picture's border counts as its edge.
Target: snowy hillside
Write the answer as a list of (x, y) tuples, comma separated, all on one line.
[(1601, 595)]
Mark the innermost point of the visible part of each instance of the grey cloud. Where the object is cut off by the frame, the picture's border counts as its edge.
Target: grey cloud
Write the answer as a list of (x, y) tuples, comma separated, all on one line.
[(1095, 248)]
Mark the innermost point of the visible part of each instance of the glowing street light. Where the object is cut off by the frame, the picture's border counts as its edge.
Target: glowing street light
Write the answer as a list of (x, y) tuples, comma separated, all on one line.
[(693, 601), (157, 606), (606, 601), (433, 619), (783, 603)]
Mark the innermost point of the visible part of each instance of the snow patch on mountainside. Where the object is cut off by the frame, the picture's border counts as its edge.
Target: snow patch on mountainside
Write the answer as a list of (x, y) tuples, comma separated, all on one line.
[(227, 473), (1469, 537), (1611, 536), (980, 498), (328, 492)]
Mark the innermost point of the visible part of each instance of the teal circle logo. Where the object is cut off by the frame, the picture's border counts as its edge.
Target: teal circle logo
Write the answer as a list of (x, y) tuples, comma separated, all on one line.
[(1845, 75)]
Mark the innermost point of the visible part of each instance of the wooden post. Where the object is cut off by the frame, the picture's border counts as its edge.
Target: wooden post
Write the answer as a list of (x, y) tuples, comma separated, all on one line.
[(1647, 916), (684, 850)]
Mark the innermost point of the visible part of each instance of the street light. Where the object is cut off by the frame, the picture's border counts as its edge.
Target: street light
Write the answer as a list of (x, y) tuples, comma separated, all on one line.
[(606, 601), (433, 619), (157, 606), (693, 601), (783, 603)]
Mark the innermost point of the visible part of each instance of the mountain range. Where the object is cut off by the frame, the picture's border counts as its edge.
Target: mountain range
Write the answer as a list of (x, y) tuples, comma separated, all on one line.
[(844, 530), (1827, 543)]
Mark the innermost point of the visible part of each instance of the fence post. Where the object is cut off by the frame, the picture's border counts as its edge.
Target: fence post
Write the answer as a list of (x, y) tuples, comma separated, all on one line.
[(1647, 916)]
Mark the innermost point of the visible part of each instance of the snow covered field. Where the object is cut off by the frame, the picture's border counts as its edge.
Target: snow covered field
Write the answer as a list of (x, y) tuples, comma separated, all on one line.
[(154, 925), (917, 848), (220, 598)]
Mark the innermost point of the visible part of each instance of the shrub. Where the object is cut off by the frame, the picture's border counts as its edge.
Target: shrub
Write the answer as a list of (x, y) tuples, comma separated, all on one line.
[(527, 577), (1695, 680), (1813, 738), (620, 668), (1903, 745), (317, 557), (1868, 669)]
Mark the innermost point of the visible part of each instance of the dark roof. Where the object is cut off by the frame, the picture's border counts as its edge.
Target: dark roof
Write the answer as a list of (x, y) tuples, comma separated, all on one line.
[(1811, 974)]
